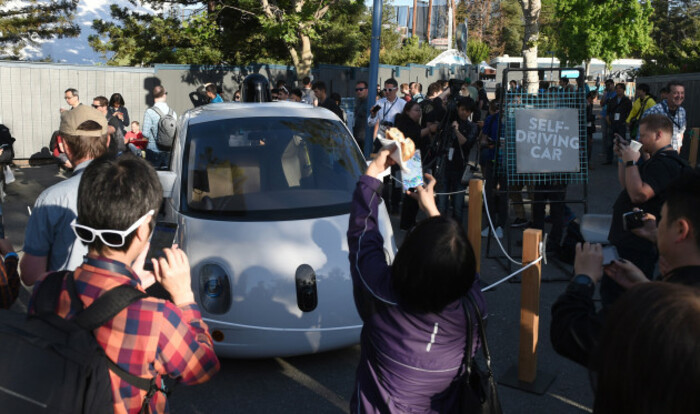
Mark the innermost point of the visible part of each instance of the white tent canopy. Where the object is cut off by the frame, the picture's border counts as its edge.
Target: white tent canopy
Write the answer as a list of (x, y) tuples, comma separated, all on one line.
[(450, 57)]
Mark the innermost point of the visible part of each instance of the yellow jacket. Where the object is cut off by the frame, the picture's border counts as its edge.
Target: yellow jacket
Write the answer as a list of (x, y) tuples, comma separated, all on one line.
[(637, 111)]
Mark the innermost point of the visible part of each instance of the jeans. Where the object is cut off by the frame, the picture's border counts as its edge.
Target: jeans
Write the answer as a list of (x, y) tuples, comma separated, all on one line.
[(451, 181)]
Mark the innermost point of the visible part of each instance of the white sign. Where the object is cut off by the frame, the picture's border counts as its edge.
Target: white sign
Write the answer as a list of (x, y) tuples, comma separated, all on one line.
[(547, 140)]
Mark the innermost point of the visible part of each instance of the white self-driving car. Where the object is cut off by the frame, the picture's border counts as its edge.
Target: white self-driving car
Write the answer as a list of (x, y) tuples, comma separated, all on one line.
[(261, 194)]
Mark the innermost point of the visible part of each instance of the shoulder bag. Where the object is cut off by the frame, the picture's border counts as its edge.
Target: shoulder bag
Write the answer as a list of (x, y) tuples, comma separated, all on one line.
[(477, 388)]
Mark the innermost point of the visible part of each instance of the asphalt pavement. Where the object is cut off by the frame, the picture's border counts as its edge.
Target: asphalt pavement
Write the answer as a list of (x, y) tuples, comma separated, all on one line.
[(323, 383)]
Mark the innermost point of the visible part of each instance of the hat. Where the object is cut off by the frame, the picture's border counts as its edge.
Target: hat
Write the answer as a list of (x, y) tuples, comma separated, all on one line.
[(71, 120), (467, 80)]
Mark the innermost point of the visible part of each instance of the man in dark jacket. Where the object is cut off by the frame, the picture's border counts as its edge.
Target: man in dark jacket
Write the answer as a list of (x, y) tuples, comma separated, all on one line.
[(359, 129), (619, 109), (325, 100), (576, 324)]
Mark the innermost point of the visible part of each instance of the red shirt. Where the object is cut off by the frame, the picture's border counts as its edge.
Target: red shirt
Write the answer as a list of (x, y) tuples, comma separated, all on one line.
[(150, 337)]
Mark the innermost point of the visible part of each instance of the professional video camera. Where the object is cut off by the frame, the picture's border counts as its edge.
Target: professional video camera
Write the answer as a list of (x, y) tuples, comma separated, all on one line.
[(436, 157)]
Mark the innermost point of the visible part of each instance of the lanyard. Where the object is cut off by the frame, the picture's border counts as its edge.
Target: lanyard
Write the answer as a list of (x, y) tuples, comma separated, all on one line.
[(664, 104), (386, 111), (662, 149)]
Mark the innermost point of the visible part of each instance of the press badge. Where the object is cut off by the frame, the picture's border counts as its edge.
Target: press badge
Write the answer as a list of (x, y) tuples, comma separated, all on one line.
[(617, 117), (450, 153)]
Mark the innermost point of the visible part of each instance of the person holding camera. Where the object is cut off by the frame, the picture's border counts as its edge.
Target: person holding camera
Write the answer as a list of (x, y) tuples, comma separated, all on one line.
[(644, 183), (415, 328), (117, 203), (386, 109), (576, 324)]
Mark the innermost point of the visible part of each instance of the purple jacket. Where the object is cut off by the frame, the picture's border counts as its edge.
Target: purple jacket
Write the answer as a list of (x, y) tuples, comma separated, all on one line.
[(408, 360)]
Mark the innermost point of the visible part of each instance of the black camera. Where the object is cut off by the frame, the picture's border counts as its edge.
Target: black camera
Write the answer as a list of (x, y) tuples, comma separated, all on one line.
[(633, 220)]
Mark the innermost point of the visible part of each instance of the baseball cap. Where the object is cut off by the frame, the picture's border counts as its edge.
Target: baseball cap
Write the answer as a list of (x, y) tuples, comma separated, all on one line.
[(71, 120), (468, 80)]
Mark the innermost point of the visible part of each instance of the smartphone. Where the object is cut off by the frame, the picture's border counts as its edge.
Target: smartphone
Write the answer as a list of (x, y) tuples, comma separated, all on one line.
[(413, 176), (633, 220), (610, 255), (619, 138), (163, 237), (375, 108)]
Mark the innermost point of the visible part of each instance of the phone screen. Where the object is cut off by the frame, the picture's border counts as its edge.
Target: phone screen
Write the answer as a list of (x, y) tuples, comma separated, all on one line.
[(609, 255), (163, 237), (413, 176)]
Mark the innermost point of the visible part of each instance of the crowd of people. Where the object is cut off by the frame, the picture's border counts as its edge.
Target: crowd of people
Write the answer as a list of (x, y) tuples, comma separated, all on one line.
[(97, 224)]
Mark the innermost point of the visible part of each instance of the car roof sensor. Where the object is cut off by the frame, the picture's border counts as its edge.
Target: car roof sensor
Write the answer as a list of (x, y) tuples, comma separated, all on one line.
[(255, 88)]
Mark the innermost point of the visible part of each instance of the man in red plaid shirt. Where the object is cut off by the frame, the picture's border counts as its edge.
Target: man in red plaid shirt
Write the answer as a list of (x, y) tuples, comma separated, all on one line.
[(151, 338)]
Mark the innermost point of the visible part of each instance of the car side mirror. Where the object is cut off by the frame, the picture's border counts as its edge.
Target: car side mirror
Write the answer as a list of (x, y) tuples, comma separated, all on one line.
[(167, 181)]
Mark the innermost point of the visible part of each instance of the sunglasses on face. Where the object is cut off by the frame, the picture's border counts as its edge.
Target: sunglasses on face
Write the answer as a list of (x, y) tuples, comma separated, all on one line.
[(359, 89), (111, 238), (95, 106), (390, 89)]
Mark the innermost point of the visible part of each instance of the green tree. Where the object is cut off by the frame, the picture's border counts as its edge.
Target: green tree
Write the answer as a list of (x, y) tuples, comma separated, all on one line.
[(412, 51), (394, 50), (135, 39), (676, 38), (477, 51), (512, 29), (27, 23), (604, 29), (236, 32)]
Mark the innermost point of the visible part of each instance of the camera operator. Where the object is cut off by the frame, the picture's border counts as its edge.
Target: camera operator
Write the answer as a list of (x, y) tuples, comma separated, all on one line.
[(644, 184), (576, 324), (386, 108), (450, 180)]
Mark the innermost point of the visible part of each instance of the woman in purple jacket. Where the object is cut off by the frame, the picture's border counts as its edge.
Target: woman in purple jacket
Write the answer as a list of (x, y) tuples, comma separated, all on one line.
[(415, 329)]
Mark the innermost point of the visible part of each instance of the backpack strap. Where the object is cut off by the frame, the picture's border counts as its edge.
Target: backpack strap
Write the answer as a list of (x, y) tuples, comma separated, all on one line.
[(46, 297), (158, 111), (100, 312)]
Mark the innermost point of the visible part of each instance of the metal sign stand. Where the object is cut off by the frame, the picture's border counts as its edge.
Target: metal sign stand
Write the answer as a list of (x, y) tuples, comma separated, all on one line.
[(506, 157)]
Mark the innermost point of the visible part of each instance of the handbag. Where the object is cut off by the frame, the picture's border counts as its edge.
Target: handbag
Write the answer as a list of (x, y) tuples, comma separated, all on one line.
[(477, 388)]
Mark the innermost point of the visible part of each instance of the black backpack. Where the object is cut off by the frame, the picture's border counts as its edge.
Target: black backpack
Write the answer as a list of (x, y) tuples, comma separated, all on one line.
[(53, 365), (6, 141), (167, 128)]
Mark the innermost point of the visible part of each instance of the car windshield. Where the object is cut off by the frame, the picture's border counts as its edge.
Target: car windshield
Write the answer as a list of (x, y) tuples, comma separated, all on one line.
[(275, 168)]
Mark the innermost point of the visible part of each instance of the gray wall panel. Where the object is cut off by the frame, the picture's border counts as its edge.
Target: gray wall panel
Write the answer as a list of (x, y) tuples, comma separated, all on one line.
[(32, 115)]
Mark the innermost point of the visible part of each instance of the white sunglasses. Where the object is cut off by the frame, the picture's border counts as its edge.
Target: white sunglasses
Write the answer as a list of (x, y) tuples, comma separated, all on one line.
[(111, 238)]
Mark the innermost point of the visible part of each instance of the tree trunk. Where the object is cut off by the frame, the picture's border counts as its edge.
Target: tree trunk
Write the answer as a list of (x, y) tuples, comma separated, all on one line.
[(531, 13), (305, 62)]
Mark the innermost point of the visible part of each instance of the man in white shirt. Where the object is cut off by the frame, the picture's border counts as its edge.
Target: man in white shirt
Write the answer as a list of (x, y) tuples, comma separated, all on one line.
[(384, 112)]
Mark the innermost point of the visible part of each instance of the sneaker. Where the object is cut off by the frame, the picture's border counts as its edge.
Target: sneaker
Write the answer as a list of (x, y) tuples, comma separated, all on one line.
[(499, 232), (519, 222)]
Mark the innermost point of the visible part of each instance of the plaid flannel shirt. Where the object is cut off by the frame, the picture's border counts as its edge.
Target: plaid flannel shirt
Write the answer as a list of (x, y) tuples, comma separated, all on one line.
[(151, 337), (679, 121)]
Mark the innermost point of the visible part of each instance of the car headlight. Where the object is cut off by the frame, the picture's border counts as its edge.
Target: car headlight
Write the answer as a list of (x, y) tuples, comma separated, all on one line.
[(214, 289)]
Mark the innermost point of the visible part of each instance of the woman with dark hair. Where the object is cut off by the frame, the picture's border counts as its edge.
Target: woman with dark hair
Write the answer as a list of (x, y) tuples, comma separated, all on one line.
[(408, 122), (117, 109), (648, 358), (415, 328)]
